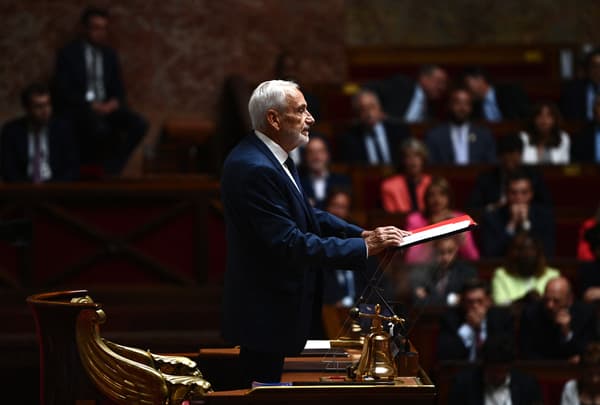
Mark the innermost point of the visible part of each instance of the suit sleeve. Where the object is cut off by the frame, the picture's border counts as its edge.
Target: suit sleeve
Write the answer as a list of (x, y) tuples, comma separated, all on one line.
[(434, 153), (67, 93), (494, 237), (334, 226), (450, 345), (265, 209)]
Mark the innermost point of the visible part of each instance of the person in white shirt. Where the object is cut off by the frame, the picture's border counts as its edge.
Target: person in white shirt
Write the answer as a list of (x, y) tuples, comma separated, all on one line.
[(495, 381), (586, 388), (543, 141)]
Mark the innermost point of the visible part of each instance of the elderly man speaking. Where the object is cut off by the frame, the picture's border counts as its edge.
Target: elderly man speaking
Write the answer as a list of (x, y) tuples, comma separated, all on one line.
[(276, 242)]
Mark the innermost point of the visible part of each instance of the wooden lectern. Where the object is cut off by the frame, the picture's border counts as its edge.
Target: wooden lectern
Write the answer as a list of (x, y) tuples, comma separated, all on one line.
[(316, 379)]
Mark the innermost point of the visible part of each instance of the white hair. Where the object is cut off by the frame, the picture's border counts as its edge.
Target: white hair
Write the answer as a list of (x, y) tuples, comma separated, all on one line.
[(269, 94)]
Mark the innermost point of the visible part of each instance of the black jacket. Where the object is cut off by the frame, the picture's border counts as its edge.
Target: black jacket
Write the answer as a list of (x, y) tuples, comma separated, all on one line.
[(14, 157)]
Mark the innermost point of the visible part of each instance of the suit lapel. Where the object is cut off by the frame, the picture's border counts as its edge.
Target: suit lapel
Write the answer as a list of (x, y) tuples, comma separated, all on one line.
[(448, 143), (298, 194)]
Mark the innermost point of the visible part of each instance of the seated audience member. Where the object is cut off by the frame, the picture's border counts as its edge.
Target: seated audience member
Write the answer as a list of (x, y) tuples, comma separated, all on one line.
[(584, 250), (459, 141), (520, 213), (585, 147), (585, 390), (495, 102), (495, 381), (90, 91), (589, 272), (525, 273), (438, 207), (317, 181), (405, 192), (556, 327), (341, 287), (412, 101), (577, 96), (375, 139), (441, 281), (38, 147), (489, 192), (464, 329), (543, 141)]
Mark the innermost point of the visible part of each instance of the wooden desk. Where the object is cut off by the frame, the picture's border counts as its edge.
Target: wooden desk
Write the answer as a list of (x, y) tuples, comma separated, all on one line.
[(307, 370)]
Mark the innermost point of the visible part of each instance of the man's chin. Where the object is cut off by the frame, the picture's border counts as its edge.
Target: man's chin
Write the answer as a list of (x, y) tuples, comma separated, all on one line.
[(303, 138)]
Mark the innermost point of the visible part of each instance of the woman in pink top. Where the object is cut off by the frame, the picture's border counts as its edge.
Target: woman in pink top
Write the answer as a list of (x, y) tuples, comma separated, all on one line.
[(438, 207), (404, 193)]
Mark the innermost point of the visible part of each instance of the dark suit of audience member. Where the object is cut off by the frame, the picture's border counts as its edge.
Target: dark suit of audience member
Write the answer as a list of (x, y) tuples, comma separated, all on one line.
[(490, 186), (37, 148), (63, 164), (468, 388), (375, 140), (412, 101), (575, 99), (441, 281), (459, 141), (577, 96), (90, 91), (464, 329), (316, 178), (495, 381), (495, 102), (556, 327), (585, 146), (519, 213), (511, 100)]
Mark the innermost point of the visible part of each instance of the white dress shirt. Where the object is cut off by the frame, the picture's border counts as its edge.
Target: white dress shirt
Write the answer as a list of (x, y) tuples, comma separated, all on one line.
[(557, 155), (468, 336), (417, 109), (380, 138), (94, 74), (498, 395), (45, 170), (491, 111), (460, 142), (280, 154)]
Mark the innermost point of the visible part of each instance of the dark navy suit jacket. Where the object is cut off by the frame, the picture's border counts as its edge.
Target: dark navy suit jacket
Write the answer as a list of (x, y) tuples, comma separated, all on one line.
[(70, 79), (482, 146), (352, 144), (512, 102), (573, 99), (333, 181), (14, 157), (276, 243), (495, 239)]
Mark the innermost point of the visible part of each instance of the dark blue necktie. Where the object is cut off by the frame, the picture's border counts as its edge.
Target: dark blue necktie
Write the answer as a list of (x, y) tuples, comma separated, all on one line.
[(294, 171), (307, 206)]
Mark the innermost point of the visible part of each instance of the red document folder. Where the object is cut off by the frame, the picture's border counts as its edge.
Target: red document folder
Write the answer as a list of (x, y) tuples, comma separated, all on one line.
[(439, 230)]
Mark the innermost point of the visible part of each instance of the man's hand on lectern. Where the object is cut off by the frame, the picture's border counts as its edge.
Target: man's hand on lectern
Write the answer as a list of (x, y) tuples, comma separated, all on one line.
[(383, 237)]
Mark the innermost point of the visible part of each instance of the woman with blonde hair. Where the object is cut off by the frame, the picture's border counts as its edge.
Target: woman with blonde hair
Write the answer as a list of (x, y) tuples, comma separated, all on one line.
[(404, 193)]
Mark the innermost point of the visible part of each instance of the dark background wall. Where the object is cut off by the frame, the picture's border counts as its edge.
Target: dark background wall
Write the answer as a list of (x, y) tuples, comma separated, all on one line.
[(455, 22), (176, 53)]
